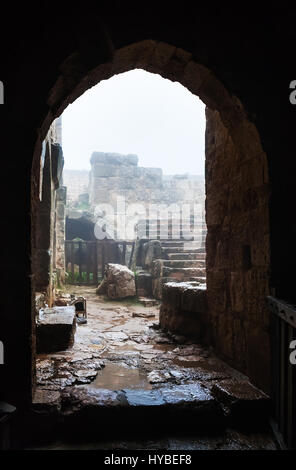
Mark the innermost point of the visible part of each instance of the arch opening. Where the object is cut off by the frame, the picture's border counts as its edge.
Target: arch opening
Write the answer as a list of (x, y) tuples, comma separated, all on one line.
[(233, 317), (141, 210)]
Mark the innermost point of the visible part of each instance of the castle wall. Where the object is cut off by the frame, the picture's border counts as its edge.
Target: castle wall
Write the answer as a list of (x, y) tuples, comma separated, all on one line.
[(76, 182), (114, 175)]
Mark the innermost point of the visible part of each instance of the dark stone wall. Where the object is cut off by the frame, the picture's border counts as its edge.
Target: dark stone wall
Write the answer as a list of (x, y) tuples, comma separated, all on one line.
[(250, 54), (238, 252), (42, 258)]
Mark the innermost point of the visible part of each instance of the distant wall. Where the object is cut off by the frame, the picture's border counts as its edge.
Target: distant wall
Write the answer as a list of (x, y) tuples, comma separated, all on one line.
[(76, 182), (114, 175)]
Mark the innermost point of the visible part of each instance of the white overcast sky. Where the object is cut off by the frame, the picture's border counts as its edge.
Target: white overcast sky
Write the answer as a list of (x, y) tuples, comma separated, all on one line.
[(141, 113)]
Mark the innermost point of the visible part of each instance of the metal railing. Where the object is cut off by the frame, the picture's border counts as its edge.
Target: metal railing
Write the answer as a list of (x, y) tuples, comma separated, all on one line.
[(86, 260)]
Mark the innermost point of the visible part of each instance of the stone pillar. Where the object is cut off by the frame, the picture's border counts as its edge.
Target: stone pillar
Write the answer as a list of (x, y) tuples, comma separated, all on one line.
[(42, 260), (58, 130), (48, 223), (61, 195), (237, 247)]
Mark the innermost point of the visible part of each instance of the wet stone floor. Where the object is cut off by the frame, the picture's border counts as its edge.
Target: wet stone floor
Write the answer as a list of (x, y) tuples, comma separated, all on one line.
[(120, 356)]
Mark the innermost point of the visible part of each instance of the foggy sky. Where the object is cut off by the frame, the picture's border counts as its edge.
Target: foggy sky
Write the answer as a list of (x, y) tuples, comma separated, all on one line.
[(141, 113)]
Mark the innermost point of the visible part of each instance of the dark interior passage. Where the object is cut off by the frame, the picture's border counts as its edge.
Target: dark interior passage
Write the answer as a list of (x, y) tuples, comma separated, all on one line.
[(79, 228)]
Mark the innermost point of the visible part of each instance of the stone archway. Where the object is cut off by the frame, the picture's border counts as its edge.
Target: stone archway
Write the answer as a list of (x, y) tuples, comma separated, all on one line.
[(237, 195)]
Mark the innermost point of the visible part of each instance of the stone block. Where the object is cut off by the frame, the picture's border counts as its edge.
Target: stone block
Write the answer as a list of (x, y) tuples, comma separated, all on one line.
[(110, 158), (61, 194), (245, 402), (151, 251), (55, 329), (40, 300), (183, 309), (46, 400), (144, 284), (118, 283), (101, 170)]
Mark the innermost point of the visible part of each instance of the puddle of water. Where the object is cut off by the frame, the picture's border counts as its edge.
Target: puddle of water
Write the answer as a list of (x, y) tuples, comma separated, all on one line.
[(116, 377), (140, 348)]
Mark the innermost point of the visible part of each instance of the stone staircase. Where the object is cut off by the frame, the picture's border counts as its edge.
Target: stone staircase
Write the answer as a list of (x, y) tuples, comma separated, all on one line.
[(166, 411), (183, 258)]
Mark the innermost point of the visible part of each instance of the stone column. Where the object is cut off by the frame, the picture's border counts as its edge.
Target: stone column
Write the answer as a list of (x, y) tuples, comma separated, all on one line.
[(61, 195), (237, 252), (43, 222)]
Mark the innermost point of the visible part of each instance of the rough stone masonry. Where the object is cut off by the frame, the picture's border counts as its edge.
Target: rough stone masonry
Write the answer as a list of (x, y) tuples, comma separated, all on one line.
[(114, 175)]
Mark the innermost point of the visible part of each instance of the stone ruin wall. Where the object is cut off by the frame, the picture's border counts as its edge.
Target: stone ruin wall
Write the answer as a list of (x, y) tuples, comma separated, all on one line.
[(49, 256), (77, 182), (114, 175)]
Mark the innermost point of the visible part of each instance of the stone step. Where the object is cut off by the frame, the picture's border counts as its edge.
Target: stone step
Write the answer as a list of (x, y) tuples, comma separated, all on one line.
[(166, 238), (172, 221), (182, 274), (198, 279), (198, 223), (197, 227), (170, 234), (209, 409), (193, 244), (172, 243), (244, 402), (158, 283), (160, 269), (177, 249), (147, 302), (184, 304), (183, 263), (186, 256), (132, 412), (177, 242)]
